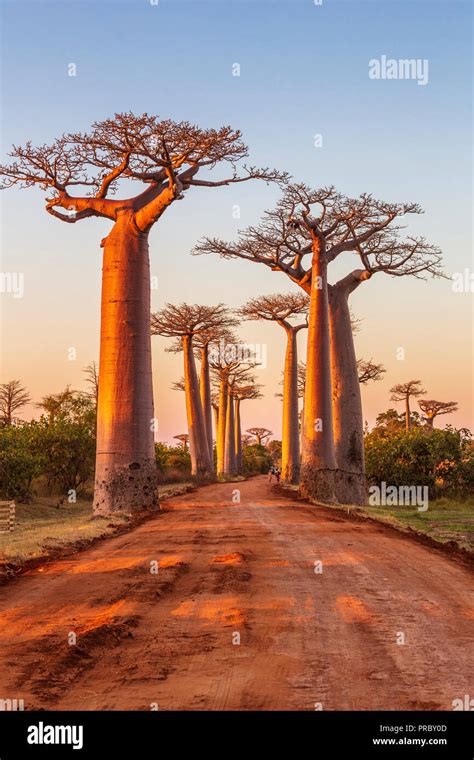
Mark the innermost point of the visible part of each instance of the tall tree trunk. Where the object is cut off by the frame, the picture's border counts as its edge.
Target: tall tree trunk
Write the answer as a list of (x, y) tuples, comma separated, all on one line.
[(200, 461), (238, 439), (220, 438), (125, 473), (407, 414), (230, 464), (205, 391), (318, 461), (290, 450), (348, 421)]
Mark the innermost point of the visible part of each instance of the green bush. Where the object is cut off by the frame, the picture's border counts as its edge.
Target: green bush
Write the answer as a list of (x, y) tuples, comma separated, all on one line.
[(20, 461), (443, 460), (173, 463), (256, 459)]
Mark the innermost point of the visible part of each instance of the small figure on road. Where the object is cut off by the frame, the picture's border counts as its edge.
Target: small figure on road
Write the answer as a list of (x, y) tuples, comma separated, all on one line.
[(271, 473), (278, 474)]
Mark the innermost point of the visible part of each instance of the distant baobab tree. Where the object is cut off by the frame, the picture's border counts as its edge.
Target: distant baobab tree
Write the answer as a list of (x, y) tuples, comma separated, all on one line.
[(202, 342), (183, 438), (260, 434), (282, 309), (242, 391), (404, 392), (431, 409), (165, 157), (323, 224), (238, 377), (228, 366), (13, 397), (186, 321)]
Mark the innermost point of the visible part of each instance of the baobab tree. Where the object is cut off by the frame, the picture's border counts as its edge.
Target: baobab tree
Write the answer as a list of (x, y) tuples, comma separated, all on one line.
[(166, 157), (202, 342), (431, 409), (227, 362), (242, 392), (282, 309), (324, 224), (185, 321), (260, 434), (13, 397), (404, 392), (238, 377), (183, 438)]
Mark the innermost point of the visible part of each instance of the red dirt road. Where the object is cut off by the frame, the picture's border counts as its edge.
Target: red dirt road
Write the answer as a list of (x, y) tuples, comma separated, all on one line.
[(228, 570)]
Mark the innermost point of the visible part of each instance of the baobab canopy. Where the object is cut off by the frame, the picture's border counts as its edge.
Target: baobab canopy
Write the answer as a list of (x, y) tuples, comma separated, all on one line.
[(163, 154)]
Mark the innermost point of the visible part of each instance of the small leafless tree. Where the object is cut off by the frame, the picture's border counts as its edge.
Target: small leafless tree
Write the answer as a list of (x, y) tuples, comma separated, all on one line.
[(13, 397), (404, 392), (92, 379)]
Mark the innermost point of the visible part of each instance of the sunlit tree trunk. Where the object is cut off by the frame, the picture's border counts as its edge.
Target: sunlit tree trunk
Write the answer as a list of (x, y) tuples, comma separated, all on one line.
[(238, 439), (348, 421), (230, 465), (318, 461), (407, 414), (220, 437), (290, 452), (205, 391), (200, 460), (125, 475)]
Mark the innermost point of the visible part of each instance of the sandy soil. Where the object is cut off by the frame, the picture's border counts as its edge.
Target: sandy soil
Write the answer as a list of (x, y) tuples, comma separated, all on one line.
[(245, 570)]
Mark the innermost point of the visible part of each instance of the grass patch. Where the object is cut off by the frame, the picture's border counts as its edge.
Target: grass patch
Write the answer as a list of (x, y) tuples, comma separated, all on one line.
[(43, 528), (445, 520)]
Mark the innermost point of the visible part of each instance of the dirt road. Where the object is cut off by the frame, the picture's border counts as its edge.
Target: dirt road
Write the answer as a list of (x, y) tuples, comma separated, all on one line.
[(248, 572)]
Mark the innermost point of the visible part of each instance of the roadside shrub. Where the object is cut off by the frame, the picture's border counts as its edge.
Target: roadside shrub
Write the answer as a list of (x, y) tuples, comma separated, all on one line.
[(256, 459), (440, 459), (20, 461)]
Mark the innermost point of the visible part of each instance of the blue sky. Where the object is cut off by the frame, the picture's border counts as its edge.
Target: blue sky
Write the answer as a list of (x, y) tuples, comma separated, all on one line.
[(303, 71)]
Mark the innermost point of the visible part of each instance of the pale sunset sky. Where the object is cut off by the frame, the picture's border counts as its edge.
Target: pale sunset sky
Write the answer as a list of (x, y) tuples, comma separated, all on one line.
[(303, 71)]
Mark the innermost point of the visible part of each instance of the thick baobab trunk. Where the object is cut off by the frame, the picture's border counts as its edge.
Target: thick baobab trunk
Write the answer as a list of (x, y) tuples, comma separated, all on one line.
[(238, 439), (220, 437), (290, 451), (125, 474), (200, 460), (205, 391), (348, 421), (318, 464), (407, 414), (230, 465)]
